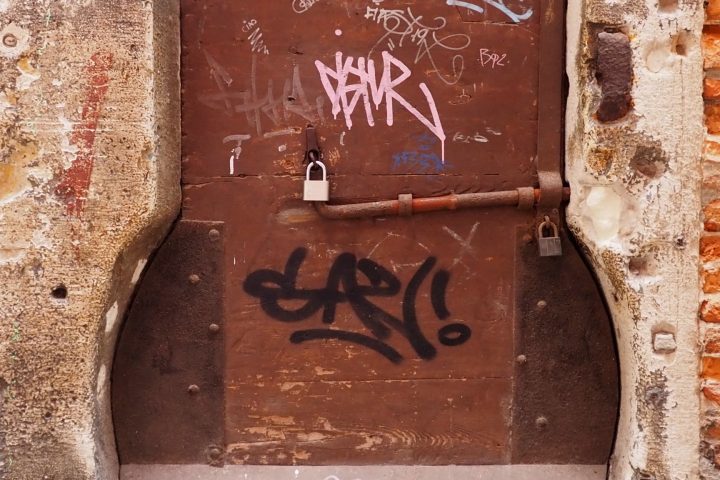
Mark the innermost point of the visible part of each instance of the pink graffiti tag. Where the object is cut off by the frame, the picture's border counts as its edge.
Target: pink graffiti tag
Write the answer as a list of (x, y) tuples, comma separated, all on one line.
[(345, 96)]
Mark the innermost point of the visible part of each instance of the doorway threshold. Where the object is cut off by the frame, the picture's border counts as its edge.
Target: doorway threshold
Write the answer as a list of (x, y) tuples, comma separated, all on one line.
[(479, 472)]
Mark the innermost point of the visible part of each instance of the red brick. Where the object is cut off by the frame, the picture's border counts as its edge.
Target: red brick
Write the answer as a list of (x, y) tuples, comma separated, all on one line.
[(712, 346), (712, 10), (712, 118), (712, 148), (712, 216), (712, 392), (711, 46), (712, 183), (710, 248), (712, 431), (711, 368), (710, 312), (711, 281), (711, 91)]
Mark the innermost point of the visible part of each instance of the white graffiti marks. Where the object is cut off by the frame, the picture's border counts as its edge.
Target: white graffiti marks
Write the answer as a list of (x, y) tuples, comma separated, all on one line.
[(346, 96), (492, 59), (402, 25), (257, 44), (302, 6), (261, 104), (499, 4)]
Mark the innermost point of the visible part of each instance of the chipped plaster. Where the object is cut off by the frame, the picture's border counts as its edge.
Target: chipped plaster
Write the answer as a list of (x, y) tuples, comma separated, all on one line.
[(635, 208)]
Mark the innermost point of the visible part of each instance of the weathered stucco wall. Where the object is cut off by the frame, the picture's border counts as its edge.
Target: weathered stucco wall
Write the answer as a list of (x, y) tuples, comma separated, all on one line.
[(634, 139), (89, 183)]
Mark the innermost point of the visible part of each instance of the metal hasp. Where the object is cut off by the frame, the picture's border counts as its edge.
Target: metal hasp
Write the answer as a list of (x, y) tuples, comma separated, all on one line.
[(312, 149), (550, 115)]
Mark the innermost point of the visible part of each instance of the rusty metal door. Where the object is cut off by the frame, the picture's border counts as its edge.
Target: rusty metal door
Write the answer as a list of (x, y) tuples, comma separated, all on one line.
[(266, 332)]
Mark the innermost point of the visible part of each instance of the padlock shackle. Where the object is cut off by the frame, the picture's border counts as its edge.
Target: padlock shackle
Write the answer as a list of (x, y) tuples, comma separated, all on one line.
[(547, 223), (322, 166)]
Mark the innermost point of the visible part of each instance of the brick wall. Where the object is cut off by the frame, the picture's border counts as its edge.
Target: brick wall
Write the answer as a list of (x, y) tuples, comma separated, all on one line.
[(710, 241)]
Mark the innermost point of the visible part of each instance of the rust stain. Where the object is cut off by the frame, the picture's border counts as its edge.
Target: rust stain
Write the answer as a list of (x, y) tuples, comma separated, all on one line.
[(615, 75), (76, 180)]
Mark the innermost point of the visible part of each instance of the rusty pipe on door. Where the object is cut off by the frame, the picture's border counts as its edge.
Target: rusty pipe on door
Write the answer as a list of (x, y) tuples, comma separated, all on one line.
[(523, 198)]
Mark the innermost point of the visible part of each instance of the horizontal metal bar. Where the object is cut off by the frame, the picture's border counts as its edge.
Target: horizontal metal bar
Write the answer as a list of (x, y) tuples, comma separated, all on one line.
[(406, 205)]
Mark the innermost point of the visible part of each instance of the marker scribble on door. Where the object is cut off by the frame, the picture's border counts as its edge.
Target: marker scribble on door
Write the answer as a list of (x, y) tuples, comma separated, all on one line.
[(499, 4), (302, 6), (237, 149), (492, 59), (261, 104), (257, 43), (402, 25), (422, 159), (345, 96), (273, 288)]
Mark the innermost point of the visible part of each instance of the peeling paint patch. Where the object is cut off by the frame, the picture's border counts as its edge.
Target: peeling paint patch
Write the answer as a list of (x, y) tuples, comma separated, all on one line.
[(28, 74), (138, 270), (278, 420), (101, 380), (285, 386), (319, 371), (76, 180), (12, 179), (111, 318), (85, 446), (604, 207)]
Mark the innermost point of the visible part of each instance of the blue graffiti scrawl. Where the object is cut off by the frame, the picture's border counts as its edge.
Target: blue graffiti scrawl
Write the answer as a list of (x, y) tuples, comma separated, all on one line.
[(422, 160)]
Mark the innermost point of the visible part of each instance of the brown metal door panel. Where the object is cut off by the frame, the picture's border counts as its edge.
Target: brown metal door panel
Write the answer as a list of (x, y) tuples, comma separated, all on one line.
[(485, 93), (269, 375), (479, 291), (167, 384), (423, 422), (404, 340), (566, 379)]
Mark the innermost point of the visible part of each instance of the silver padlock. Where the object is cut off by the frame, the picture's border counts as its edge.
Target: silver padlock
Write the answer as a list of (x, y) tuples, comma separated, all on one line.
[(549, 246), (316, 190)]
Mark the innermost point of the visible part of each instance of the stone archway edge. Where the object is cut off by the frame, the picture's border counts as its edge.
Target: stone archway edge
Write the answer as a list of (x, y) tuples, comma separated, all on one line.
[(634, 141), (89, 185), (90, 115)]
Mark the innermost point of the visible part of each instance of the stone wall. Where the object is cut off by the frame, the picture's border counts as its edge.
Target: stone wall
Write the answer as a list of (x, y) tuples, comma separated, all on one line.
[(634, 140), (89, 184)]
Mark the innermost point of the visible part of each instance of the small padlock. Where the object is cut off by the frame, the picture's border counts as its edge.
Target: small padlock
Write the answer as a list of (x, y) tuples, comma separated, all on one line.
[(316, 190), (549, 246)]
